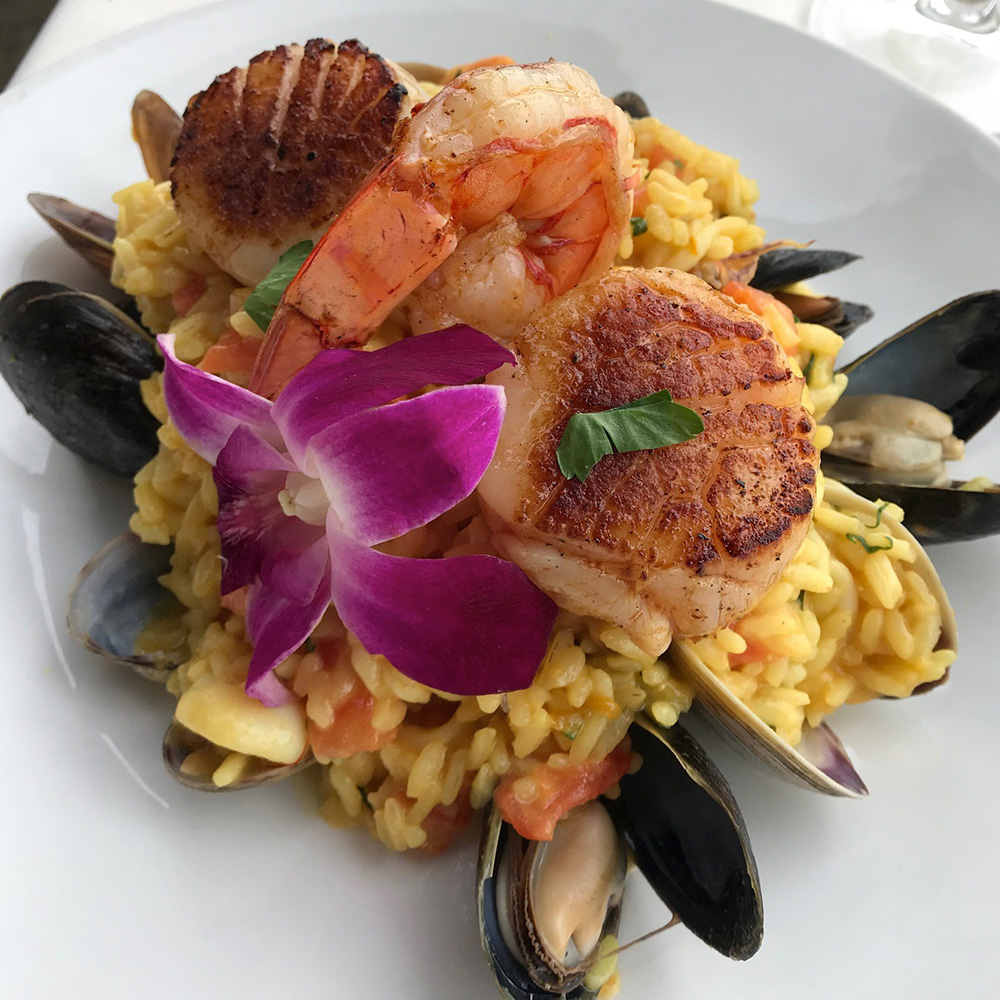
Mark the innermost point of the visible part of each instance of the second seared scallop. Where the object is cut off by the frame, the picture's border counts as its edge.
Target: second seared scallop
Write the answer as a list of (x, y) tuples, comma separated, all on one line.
[(680, 540), (271, 152)]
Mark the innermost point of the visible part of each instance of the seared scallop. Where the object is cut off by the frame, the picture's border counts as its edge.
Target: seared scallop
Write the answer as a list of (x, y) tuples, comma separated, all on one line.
[(271, 152), (679, 540)]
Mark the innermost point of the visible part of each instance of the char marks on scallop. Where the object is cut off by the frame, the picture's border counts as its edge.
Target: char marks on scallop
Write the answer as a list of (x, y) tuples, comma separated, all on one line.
[(284, 142), (742, 482), (675, 540)]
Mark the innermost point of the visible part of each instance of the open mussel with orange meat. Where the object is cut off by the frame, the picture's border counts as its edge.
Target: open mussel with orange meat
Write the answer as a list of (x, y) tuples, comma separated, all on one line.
[(548, 910)]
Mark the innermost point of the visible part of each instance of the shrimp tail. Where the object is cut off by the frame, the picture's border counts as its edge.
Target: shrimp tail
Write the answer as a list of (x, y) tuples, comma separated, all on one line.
[(293, 340), (384, 244)]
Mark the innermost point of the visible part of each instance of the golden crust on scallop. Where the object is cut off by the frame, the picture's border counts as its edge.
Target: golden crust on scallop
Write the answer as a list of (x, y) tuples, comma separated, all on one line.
[(271, 152), (678, 540)]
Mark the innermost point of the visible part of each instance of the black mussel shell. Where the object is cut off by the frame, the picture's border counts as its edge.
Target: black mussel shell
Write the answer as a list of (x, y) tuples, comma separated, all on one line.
[(688, 837), (512, 978), (934, 514), (950, 359), (853, 315), (632, 104), (786, 265), (75, 363), (835, 314)]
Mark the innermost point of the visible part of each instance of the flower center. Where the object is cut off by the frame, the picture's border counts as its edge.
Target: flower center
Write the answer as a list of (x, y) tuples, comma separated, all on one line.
[(304, 497)]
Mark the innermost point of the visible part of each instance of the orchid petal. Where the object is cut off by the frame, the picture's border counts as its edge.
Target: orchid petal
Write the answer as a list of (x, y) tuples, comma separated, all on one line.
[(338, 383), (468, 625), (277, 627), (206, 409), (269, 691), (395, 468), (295, 572), (249, 474)]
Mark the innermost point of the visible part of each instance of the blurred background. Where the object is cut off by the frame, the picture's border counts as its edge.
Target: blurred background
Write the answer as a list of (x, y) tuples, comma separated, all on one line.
[(20, 21), (948, 48)]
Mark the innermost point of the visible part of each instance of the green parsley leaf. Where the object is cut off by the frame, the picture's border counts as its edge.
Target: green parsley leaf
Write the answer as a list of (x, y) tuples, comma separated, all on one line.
[(265, 297), (653, 421), (679, 164), (573, 731), (309, 646), (639, 225), (870, 548), (808, 367)]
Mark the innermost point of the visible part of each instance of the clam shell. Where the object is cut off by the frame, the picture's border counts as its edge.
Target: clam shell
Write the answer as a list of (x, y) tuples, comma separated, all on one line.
[(179, 743), (823, 764), (89, 233), (155, 128), (820, 761), (114, 598)]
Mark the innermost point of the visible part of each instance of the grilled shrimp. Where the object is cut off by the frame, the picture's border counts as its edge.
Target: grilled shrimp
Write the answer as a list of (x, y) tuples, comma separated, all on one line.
[(679, 540), (271, 152), (519, 173)]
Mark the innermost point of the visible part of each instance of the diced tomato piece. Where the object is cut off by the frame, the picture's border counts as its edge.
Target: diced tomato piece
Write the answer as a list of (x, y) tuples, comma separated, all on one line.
[(559, 790), (755, 653), (351, 730), (756, 300), (640, 200), (760, 302), (231, 354), (443, 823), (236, 602), (659, 154), (187, 295)]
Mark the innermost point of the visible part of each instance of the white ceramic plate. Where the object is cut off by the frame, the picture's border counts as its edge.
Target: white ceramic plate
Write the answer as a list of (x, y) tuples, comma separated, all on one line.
[(120, 884)]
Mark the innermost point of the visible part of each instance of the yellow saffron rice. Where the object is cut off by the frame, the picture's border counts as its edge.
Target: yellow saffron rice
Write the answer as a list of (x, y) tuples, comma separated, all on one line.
[(841, 625)]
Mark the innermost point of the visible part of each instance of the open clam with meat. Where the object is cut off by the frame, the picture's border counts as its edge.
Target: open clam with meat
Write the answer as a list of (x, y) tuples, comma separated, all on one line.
[(476, 434)]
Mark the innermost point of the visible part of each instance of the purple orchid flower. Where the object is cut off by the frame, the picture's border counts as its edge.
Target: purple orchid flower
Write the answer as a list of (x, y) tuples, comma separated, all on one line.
[(310, 483)]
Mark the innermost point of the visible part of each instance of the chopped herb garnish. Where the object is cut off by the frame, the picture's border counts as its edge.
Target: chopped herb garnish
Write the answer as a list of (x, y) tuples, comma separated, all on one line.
[(309, 646), (802, 599), (870, 548), (573, 731), (653, 421), (639, 225), (265, 297), (809, 366), (364, 798), (878, 514), (679, 164)]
